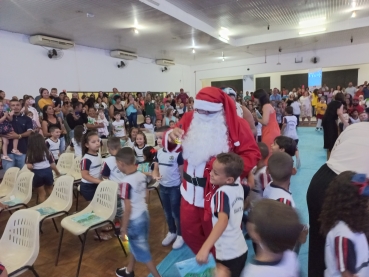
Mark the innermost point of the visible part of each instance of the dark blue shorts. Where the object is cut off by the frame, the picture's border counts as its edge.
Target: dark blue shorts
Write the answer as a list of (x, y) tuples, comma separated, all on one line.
[(87, 190), (43, 177)]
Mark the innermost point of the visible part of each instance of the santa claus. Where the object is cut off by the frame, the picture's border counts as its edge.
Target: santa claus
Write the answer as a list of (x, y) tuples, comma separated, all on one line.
[(212, 128)]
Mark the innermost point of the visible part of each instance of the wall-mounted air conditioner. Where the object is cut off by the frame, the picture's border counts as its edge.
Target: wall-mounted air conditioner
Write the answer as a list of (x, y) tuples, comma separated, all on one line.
[(164, 62), (123, 55), (51, 42)]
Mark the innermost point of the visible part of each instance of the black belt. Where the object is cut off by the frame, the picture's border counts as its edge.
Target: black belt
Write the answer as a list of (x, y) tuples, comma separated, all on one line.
[(201, 182)]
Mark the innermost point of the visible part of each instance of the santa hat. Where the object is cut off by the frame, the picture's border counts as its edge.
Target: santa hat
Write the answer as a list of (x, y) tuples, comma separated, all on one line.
[(213, 99)]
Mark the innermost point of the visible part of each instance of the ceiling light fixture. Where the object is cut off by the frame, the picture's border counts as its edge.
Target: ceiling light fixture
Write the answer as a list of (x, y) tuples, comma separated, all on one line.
[(135, 30), (311, 31), (313, 22), (353, 4), (224, 34), (90, 15), (353, 14), (193, 50)]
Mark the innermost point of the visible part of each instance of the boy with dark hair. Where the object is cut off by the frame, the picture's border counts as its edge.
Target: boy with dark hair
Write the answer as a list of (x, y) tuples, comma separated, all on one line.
[(53, 142), (110, 171), (288, 145), (275, 228), (135, 222), (280, 168), (258, 178), (227, 212)]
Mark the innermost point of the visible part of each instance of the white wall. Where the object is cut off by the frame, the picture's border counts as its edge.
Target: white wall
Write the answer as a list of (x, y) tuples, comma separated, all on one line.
[(354, 56), (24, 68)]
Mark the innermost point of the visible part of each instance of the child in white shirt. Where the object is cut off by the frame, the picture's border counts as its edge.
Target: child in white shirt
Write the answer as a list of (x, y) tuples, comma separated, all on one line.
[(345, 222), (296, 106), (119, 128), (227, 211), (110, 171), (135, 221), (103, 132), (258, 178), (275, 228), (53, 143), (147, 125)]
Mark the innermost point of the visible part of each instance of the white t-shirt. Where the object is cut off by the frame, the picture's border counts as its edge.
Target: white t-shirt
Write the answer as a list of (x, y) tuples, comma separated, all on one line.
[(229, 199), (139, 153), (259, 128), (351, 91), (296, 106), (133, 187), (261, 179), (346, 250), (130, 143), (53, 147), (77, 148), (280, 194), (149, 127), (110, 169), (92, 163), (351, 150), (169, 163), (239, 110), (290, 130), (287, 267), (119, 128)]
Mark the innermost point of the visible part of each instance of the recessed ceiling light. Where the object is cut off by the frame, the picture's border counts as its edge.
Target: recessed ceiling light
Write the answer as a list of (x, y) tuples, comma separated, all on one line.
[(193, 50), (353, 4), (313, 22), (353, 14), (135, 30), (311, 31)]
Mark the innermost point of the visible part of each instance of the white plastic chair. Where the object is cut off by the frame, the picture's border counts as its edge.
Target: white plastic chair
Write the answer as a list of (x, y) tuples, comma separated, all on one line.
[(24, 169), (69, 150), (140, 119), (150, 137), (75, 172), (65, 162), (21, 193), (104, 148), (8, 181), (20, 242), (103, 205), (59, 202)]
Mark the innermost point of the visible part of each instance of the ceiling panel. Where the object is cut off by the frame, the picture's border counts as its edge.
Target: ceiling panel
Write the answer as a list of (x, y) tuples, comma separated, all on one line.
[(163, 36)]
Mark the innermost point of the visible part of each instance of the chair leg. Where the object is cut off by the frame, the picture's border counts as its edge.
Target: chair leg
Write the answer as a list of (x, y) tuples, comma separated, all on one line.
[(81, 255), (80, 239), (56, 227), (59, 247), (98, 235), (77, 200), (34, 271), (157, 191), (120, 241)]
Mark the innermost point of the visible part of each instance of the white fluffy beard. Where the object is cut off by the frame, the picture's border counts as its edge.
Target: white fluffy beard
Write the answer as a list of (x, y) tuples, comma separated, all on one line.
[(206, 137)]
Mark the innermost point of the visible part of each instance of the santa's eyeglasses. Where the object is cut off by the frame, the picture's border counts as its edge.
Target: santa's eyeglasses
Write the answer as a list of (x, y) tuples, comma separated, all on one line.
[(204, 112)]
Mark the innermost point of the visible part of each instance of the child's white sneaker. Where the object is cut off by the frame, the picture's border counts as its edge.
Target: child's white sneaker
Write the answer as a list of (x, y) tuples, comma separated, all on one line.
[(169, 239), (178, 242)]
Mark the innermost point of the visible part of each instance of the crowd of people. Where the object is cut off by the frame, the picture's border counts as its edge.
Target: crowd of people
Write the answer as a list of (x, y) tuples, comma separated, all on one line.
[(208, 190)]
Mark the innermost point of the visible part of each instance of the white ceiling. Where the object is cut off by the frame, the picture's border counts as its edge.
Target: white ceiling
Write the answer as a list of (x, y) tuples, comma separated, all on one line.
[(172, 28)]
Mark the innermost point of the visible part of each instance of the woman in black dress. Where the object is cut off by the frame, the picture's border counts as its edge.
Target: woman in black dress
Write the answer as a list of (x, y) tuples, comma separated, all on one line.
[(344, 157), (329, 122)]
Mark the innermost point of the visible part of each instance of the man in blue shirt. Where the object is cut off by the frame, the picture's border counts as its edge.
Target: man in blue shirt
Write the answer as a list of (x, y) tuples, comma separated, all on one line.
[(22, 126), (275, 96)]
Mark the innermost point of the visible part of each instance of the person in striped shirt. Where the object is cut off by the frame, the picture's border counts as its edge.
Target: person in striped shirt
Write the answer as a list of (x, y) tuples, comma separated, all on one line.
[(345, 222)]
